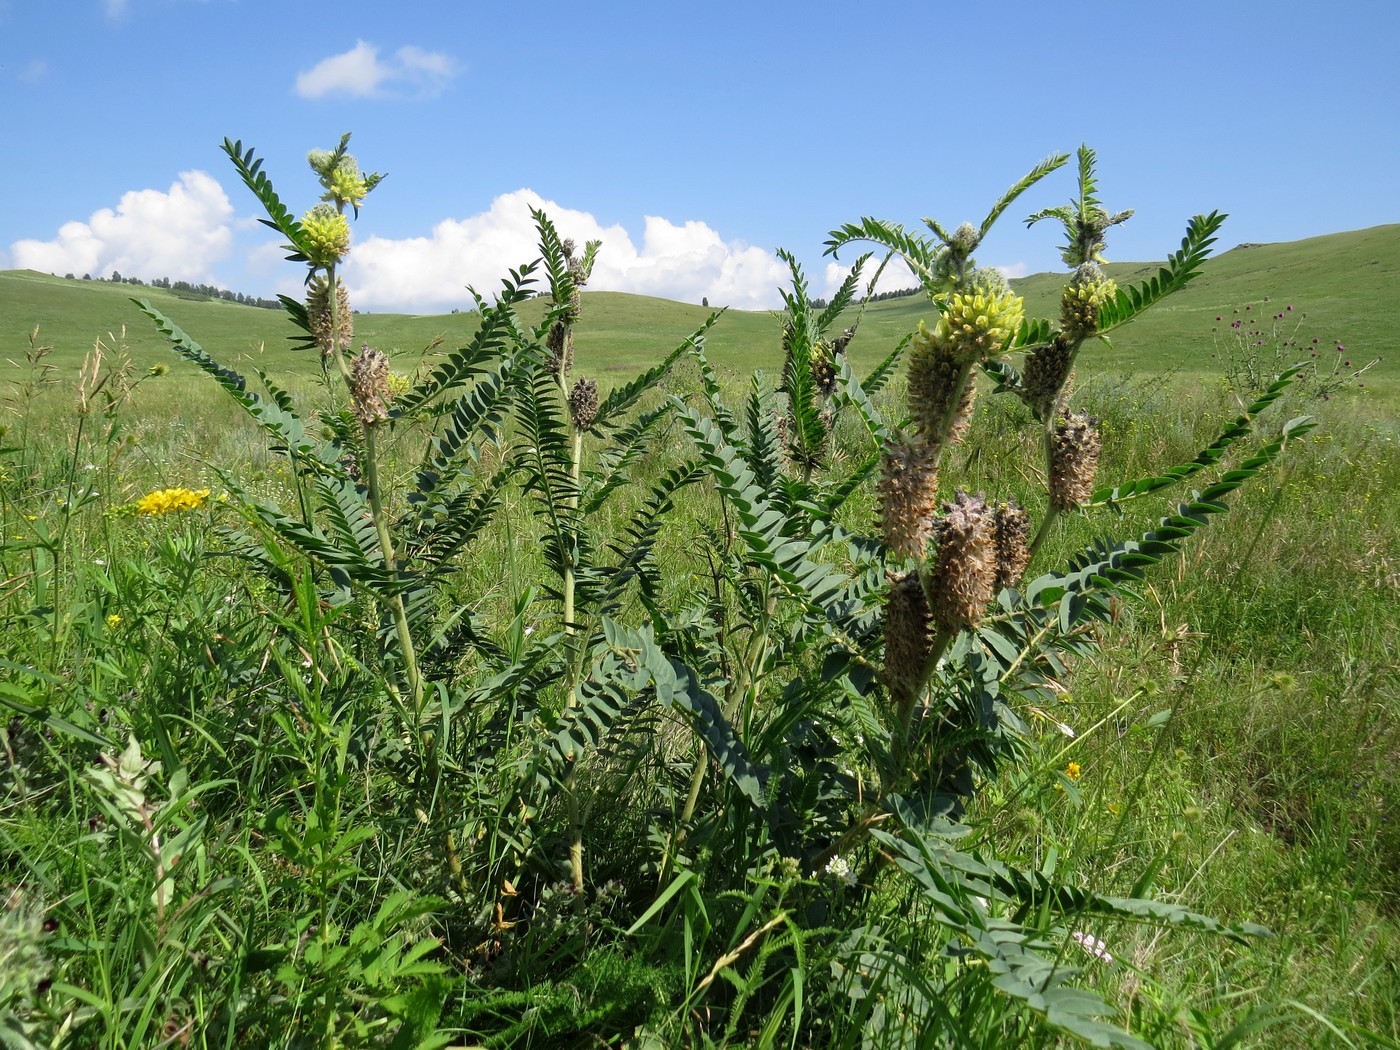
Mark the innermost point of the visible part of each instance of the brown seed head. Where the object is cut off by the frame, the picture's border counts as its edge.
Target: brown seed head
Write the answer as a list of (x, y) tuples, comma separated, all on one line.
[(962, 566), (934, 374), (1013, 527), (1074, 460), (908, 496), (583, 403), (560, 342), (369, 385), (908, 633), (319, 314), (1045, 376)]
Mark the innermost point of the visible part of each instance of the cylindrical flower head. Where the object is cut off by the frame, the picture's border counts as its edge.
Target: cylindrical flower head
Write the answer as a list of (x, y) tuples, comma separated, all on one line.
[(369, 385), (1081, 300), (583, 403), (908, 496), (962, 566), (1013, 527), (560, 342), (976, 324), (1044, 377), (823, 369), (318, 312), (327, 235), (908, 633), (933, 374), (1074, 460)]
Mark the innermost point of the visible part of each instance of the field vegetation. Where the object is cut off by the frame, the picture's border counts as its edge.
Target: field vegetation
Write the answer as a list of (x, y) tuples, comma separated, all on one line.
[(539, 675)]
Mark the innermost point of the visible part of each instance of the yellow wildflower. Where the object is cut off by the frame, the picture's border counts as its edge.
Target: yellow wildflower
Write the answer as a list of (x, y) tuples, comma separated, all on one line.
[(113, 620), (1073, 771), (163, 501)]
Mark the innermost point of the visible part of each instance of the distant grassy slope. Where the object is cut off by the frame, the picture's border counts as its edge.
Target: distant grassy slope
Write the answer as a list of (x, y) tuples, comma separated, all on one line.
[(1346, 284)]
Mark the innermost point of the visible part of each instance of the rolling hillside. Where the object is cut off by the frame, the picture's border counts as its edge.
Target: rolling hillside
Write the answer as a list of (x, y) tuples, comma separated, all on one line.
[(1344, 283)]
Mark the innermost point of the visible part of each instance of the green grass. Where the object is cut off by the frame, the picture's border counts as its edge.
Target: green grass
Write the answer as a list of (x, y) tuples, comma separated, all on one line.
[(1238, 728)]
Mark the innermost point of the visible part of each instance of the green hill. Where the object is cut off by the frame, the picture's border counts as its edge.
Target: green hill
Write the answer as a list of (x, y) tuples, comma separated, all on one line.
[(1341, 287)]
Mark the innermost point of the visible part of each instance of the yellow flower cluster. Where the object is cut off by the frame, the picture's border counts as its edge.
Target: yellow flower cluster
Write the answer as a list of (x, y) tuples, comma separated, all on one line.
[(975, 325), (163, 501), (327, 235)]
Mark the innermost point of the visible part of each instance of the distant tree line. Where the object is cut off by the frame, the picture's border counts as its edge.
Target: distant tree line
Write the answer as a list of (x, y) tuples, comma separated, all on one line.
[(205, 291), (878, 297)]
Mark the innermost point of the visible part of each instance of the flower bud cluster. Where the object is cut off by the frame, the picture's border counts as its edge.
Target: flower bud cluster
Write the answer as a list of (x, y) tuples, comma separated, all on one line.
[(1083, 297)]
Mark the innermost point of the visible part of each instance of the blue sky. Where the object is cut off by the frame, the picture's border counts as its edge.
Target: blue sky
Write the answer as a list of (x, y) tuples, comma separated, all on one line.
[(694, 139)]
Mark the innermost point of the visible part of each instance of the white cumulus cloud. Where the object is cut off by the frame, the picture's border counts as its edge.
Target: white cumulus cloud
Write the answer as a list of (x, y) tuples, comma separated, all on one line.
[(180, 233), (361, 73), (895, 277), (685, 262)]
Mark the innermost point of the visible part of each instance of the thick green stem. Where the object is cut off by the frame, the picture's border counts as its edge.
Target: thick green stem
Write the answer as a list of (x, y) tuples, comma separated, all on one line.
[(576, 815)]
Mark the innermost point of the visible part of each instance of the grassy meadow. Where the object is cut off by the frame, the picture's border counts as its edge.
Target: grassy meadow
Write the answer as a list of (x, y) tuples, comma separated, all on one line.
[(282, 849)]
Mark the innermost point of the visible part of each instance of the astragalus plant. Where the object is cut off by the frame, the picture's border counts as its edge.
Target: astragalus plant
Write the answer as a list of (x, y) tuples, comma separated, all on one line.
[(564, 714)]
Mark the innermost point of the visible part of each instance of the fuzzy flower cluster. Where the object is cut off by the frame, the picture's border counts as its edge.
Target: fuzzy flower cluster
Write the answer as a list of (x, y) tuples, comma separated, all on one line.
[(164, 501)]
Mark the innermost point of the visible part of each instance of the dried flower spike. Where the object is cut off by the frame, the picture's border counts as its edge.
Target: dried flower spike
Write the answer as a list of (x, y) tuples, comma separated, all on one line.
[(962, 566), (908, 633), (908, 496), (1045, 377), (1012, 528), (1074, 460), (935, 378), (319, 314), (369, 385), (583, 403)]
